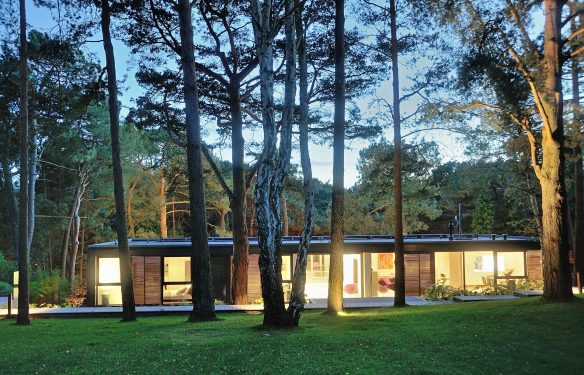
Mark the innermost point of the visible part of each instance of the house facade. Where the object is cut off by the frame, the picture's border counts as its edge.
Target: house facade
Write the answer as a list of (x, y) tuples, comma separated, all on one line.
[(162, 267)]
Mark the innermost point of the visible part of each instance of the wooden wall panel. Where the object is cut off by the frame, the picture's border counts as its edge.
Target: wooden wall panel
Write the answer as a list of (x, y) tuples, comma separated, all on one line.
[(152, 284), (412, 265), (254, 285), (534, 266), (138, 278), (426, 272)]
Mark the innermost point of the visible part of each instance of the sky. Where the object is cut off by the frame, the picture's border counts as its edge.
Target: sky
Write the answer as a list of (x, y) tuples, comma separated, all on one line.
[(450, 146)]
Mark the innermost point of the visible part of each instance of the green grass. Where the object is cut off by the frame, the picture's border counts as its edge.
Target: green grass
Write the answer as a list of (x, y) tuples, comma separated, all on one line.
[(508, 337)]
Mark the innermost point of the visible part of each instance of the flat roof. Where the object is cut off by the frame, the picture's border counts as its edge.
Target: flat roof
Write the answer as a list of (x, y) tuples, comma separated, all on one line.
[(410, 239)]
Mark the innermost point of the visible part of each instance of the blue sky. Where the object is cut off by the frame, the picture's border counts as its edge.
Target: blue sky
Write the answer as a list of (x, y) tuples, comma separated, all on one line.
[(450, 146)]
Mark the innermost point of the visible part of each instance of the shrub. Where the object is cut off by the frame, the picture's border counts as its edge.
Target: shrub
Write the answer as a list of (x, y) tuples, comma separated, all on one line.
[(5, 288), (47, 288), (7, 268), (443, 292), (78, 298)]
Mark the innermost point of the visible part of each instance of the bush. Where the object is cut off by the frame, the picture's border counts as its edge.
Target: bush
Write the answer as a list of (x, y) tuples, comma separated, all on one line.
[(443, 292), (5, 288), (78, 299), (7, 268), (48, 288)]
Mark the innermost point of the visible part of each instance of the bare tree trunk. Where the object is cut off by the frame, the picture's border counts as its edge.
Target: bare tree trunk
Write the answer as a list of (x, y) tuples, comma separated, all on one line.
[(76, 229), (32, 176), (23, 251), (400, 285), (285, 228), (203, 302), (578, 174), (297, 299), (163, 225), (128, 302), (555, 241), (67, 234), (129, 212), (273, 168), (335, 287), (12, 205)]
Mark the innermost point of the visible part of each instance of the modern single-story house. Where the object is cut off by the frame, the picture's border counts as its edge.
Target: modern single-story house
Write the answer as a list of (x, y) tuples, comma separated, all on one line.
[(162, 270)]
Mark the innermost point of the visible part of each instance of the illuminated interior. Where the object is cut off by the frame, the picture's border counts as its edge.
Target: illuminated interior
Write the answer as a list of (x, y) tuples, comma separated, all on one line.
[(109, 273), (176, 286), (448, 267), (382, 274)]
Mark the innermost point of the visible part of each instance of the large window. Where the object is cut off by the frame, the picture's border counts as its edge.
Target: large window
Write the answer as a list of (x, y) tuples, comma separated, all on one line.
[(317, 267), (480, 268), (109, 290), (382, 274), (448, 268), (176, 285)]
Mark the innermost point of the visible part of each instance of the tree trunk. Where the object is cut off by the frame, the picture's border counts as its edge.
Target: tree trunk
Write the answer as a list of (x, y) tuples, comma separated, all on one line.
[(400, 285), (163, 225), (76, 229), (578, 174), (238, 202), (23, 251), (285, 228), (12, 205), (555, 242), (129, 212), (128, 302), (297, 300), (273, 168), (534, 203), (67, 234), (32, 176), (203, 302), (335, 287)]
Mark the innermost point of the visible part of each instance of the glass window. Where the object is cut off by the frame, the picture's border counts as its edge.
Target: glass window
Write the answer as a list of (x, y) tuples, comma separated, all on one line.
[(177, 293), (177, 269), (109, 270), (109, 295), (511, 264), (352, 275), (317, 267), (286, 267), (479, 268), (382, 274), (448, 268)]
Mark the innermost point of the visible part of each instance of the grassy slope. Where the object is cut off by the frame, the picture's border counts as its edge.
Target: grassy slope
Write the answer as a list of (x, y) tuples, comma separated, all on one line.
[(526, 336)]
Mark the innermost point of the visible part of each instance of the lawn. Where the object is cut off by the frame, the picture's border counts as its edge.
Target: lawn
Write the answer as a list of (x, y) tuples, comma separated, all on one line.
[(509, 337)]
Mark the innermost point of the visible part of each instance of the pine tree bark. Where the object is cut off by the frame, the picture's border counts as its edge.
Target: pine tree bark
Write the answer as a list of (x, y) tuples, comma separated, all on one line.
[(335, 287), (578, 173), (163, 224), (555, 241), (128, 302), (203, 302), (238, 202), (400, 285), (23, 317), (129, 211), (67, 233), (297, 299), (285, 223)]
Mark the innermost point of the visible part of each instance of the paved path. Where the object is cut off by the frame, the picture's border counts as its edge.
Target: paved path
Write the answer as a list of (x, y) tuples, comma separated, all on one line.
[(316, 304)]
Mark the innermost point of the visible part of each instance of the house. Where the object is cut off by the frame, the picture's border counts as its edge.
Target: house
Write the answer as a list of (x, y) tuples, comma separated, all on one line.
[(162, 271)]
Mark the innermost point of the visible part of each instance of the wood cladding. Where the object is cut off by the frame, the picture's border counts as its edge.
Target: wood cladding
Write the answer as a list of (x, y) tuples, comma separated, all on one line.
[(419, 273), (146, 277), (138, 279), (254, 284), (534, 266)]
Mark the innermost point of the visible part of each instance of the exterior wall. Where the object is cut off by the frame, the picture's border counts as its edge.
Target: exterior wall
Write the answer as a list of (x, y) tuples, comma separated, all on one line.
[(419, 273), (534, 265), (254, 285)]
